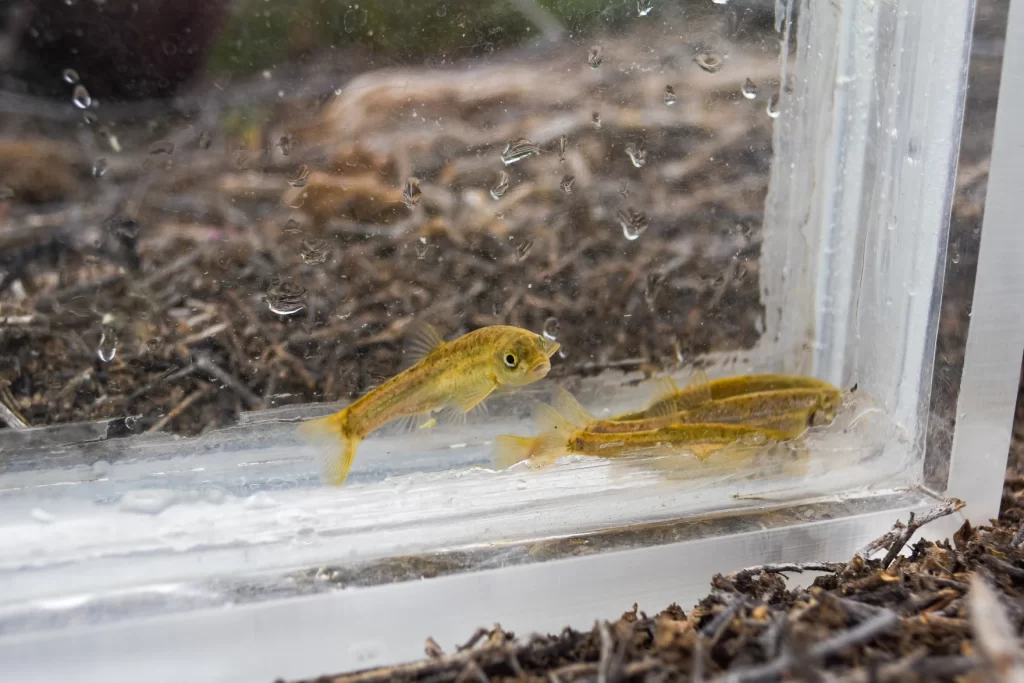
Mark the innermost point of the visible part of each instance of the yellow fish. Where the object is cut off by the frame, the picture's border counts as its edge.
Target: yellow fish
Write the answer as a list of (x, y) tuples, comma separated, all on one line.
[(445, 376), (559, 435), (669, 398)]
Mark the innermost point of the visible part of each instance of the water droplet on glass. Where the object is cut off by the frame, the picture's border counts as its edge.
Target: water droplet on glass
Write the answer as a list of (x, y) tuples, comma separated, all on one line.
[(205, 139), (643, 7), (260, 500), (595, 120), (90, 118), (955, 257), (80, 97), (314, 252), (670, 95), (411, 193), (567, 183), (500, 187), (301, 177), (240, 159), (286, 143), (108, 346), (890, 225), (595, 56), (101, 468), (637, 154), (708, 61), (524, 250), (749, 89), (422, 248), (773, 106), (6, 193), (652, 285), (633, 223), (99, 168), (720, 2), (42, 516), (293, 227), (162, 147), (563, 144), (442, 10), (551, 328), (517, 150), (70, 76), (285, 297)]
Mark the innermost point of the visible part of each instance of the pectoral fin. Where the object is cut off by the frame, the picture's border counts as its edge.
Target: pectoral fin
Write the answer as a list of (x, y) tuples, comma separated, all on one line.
[(469, 397)]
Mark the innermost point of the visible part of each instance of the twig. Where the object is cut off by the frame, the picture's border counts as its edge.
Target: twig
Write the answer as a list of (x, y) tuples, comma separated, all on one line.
[(917, 668), (226, 378), (9, 414), (900, 535), (996, 636), (881, 623), (783, 567), (610, 663), (178, 409)]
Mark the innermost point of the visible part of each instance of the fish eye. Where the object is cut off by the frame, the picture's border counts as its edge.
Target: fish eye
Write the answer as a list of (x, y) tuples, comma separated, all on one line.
[(511, 360)]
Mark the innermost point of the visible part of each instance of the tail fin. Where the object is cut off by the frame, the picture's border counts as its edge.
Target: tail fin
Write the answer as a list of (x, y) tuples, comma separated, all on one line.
[(510, 450), (335, 447)]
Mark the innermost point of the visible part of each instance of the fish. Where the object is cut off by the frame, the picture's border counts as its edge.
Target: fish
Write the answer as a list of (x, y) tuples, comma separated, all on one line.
[(669, 398), (560, 435), (450, 377)]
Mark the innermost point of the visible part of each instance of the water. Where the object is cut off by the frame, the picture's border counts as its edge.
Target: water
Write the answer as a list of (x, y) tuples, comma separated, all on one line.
[(300, 177), (749, 89), (551, 328), (314, 252), (80, 97), (500, 186), (644, 7), (637, 155), (70, 76), (411, 193), (517, 150), (773, 106), (285, 297), (709, 61), (634, 223), (670, 95)]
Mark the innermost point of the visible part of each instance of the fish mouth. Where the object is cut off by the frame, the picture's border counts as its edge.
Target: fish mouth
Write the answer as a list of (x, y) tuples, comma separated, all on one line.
[(540, 369)]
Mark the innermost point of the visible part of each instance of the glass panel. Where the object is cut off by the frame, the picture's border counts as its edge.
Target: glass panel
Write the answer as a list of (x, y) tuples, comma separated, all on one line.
[(220, 219)]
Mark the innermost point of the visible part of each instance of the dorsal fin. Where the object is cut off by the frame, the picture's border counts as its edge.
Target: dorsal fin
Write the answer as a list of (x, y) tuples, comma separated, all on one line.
[(421, 339), (664, 397), (550, 420), (569, 408), (696, 393)]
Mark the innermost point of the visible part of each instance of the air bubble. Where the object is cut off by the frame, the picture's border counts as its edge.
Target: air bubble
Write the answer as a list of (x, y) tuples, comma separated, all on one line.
[(595, 56), (567, 183), (773, 106), (80, 97), (286, 143), (749, 89), (285, 297), (708, 61), (411, 193), (162, 147), (301, 177), (314, 252), (517, 150), (442, 10), (108, 346), (551, 328), (524, 250), (634, 223), (99, 168), (500, 187), (70, 76), (670, 95), (637, 154)]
